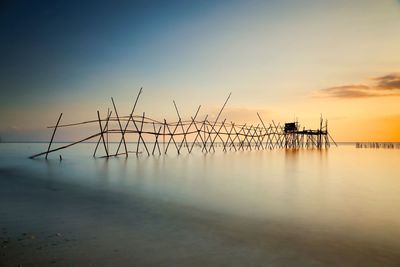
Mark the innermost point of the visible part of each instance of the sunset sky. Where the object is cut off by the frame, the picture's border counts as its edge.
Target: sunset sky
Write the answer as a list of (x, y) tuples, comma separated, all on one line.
[(284, 59)]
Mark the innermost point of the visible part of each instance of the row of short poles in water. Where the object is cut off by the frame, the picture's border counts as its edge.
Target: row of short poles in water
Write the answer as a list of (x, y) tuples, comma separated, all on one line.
[(152, 136), (378, 145)]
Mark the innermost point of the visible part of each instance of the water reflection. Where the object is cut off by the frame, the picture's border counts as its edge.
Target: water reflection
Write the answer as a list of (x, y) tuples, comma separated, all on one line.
[(337, 189), (290, 188)]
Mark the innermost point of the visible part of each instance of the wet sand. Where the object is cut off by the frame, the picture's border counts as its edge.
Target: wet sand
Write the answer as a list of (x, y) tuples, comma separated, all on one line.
[(50, 223)]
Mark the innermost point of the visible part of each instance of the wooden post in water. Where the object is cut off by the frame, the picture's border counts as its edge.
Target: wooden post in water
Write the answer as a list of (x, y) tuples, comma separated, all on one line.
[(171, 138), (198, 133), (157, 134), (101, 132), (108, 111), (120, 127), (219, 114), (52, 136), (141, 137), (217, 134), (187, 130), (183, 130), (164, 132), (129, 119), (106, 126), (232, 143)]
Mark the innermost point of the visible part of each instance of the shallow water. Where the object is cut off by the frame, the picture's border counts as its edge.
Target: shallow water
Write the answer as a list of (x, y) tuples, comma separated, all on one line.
[(281, 207)]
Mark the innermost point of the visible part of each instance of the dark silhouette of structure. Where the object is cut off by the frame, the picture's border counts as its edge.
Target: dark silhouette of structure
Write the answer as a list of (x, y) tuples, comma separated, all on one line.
[(184, 135)]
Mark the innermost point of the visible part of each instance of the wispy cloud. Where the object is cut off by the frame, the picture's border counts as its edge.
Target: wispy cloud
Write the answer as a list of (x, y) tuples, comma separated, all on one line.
[(383, 86), (347, 91), (389, 82)]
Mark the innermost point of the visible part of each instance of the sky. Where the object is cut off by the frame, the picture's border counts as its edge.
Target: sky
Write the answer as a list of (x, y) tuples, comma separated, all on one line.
[(285, 59)]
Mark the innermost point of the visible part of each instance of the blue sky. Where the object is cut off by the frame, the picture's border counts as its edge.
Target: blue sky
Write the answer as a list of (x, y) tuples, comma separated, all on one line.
[(72, 56)]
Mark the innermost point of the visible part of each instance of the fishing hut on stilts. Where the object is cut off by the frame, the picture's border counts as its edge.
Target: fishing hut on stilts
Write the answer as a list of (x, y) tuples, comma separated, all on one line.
[(306, 138)]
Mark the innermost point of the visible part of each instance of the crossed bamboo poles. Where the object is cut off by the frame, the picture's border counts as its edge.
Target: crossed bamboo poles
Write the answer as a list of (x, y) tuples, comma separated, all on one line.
[(204, 133)]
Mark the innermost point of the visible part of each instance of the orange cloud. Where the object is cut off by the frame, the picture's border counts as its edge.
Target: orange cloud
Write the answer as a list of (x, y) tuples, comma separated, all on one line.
[(388, 85), (389, 82), (347, 91)]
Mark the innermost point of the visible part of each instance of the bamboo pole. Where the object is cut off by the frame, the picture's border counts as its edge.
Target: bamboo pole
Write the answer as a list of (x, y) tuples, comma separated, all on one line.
[(219, 114), (217, 134), (256, 137), (171, 137), (187, 130), (265, 128), (238, 136), (120, 126), (227, 138), (101, 131), (52, 136), (247, 137), (98, 141), (183, 130), (199, 133), (141, 137), (232, 144), (130, 118), (156, 141), (252, 135), (332, 139), (66, 146), (108, 111)]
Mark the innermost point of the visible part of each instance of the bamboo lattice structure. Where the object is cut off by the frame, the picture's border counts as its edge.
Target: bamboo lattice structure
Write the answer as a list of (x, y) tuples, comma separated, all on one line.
[(184, 135)]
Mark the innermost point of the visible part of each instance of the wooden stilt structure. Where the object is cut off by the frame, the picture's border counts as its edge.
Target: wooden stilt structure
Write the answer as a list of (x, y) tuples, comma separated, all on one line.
[(206, 134)]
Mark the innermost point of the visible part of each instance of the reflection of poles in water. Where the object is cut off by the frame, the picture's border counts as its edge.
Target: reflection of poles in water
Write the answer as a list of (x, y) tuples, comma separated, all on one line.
[(207, 134)]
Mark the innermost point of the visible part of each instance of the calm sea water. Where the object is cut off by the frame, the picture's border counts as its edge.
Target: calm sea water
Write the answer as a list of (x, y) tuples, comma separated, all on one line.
[(342, 193)]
